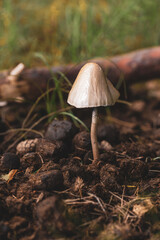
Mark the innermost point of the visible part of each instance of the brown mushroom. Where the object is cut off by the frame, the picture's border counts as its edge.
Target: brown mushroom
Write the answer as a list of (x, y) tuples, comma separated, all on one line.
[(91, 89)]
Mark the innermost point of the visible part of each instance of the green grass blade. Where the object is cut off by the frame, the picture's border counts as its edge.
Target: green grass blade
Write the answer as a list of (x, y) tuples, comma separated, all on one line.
[(75, 118)]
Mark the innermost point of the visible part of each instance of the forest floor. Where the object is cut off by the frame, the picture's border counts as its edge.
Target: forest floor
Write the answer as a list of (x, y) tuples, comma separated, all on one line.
[(51, 189)]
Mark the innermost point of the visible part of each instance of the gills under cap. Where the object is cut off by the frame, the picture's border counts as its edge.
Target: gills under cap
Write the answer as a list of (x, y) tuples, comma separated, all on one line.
[(91, 89)]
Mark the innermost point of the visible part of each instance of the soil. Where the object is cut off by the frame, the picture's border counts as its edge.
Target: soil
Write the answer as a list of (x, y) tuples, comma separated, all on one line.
[(50, 188)]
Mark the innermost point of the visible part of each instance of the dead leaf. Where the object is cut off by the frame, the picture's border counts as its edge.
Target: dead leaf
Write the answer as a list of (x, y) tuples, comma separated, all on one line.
[(144, 206), (8, 177)]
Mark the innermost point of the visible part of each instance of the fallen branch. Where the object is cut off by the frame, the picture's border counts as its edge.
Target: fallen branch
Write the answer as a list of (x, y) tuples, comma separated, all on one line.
[(132, 67)]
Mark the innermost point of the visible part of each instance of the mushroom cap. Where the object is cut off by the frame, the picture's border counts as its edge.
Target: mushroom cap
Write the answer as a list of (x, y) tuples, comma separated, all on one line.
[(91, 89)]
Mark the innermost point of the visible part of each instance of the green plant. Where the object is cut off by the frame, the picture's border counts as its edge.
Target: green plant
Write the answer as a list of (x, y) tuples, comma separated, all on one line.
[(57, 91)]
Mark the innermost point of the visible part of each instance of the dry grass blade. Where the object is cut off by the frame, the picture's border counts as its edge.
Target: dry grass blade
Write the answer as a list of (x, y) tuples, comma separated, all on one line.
[(99, 201), (120, 122), (132, 210), (17, 130), (87, 200), (75, 118), (35, 124), (121, 199), (12, 174), (34, 105)]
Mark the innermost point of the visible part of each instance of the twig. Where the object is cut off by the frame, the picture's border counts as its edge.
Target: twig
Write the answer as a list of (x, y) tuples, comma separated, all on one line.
[(117, 196), (122, 202), (98, 200), (21, 130), (39, 155), (156, 171)]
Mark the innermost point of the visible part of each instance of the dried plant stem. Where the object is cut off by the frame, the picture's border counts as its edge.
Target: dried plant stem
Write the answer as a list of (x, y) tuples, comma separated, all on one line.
[(94, 141)]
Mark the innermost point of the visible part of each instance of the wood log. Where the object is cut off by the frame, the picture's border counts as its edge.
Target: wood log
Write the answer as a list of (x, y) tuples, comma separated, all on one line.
[(133, 67)]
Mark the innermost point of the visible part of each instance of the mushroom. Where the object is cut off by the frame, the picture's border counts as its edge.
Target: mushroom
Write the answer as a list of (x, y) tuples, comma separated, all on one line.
[(91, 90)]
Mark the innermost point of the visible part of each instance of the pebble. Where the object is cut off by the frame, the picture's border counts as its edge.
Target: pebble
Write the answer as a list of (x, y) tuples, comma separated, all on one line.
[(60, 130), (106, 146), (9, 161)]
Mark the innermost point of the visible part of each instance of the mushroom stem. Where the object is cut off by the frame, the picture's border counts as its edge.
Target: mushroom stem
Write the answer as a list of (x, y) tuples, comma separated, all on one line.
[(94, 141)]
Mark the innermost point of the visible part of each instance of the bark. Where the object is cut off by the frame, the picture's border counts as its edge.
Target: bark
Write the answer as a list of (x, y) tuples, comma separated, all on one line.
[(132, 67)]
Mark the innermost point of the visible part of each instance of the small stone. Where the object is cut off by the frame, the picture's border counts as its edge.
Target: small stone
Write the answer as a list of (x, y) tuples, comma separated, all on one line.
[(109, 133), (60, 130), (9, 161), (50, 180), (106, 146)]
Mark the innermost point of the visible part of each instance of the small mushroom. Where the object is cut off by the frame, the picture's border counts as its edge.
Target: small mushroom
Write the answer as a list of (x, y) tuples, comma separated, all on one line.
[(91, 90)]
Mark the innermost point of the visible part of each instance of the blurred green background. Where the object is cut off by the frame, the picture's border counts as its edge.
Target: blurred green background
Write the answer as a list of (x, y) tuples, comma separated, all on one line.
[(71, 31)]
